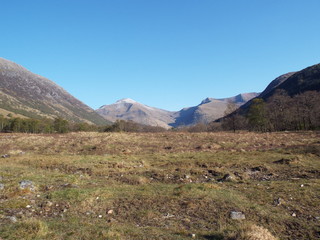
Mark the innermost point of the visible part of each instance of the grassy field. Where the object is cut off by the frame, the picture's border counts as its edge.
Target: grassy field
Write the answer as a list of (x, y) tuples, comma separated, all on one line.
[(160, 186)]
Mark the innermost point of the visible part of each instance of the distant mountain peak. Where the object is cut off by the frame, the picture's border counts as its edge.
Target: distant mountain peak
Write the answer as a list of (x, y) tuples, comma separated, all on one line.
[(207, 100), (126, 100)]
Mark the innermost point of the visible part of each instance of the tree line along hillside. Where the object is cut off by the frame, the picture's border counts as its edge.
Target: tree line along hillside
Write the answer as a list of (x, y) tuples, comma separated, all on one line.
[(280, 112)]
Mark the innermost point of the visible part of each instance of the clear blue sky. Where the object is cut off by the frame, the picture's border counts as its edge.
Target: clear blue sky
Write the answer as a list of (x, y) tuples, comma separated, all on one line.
[(164, 53)]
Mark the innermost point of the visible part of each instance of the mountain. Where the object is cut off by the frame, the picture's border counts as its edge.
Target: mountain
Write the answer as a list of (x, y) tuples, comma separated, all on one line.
[(276, 82), (128, 109), (307, 79), (208, 110), (293, 83), (26, 94)]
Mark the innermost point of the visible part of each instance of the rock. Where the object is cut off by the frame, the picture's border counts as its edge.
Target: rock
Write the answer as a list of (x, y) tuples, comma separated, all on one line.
[(227, 178), (13, 219), (293, 214), (110, 212), (168, 215), (1, 186), (277, 201), (27, 184), (5, 156), (237, 215), (193, 235)]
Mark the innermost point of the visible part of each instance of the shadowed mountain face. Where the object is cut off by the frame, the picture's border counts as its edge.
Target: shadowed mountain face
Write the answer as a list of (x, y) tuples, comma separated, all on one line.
[(293, 83), (307, 79), (25, 93), (275, 83), (208, 110)]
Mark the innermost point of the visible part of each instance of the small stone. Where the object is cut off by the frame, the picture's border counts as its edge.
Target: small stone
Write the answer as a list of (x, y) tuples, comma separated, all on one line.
[(293, 214), (237, 215), (1, 186), (97, 198), (193, 235), (28, 206), (277, 201), (301, 185), (13, 219), (38, 196), (27, 184), (227, 178), (5, 156), (49, 204), (100, 216), (110, 211)]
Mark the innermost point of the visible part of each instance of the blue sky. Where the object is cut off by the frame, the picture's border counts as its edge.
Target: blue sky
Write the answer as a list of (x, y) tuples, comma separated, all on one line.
[(164, 53)]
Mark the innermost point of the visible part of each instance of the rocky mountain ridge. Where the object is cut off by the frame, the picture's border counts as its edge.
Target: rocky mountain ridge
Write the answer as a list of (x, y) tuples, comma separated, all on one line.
[(30, 95)]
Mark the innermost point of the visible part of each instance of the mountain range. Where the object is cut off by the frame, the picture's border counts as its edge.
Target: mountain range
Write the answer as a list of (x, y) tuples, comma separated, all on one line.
[(28, 95), (207, 111)]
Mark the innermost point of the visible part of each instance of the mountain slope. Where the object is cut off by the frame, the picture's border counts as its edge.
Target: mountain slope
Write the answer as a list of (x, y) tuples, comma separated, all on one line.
[(209, 110), (128, 109), (276, 82), (28, 94), (293, 83), (307, 79)]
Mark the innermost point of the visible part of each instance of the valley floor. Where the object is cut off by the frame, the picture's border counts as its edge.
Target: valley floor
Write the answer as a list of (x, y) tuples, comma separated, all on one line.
[(160, 186)]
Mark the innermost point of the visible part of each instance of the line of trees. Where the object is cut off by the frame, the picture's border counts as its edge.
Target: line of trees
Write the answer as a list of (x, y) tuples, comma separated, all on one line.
[(280, 112), (27, 125), (60, 125)]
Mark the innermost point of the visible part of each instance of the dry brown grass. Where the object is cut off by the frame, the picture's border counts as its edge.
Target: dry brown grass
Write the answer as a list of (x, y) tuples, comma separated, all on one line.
[(254, 232), (137, 143), (160, 185)]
